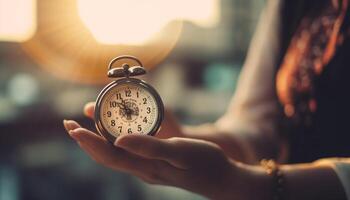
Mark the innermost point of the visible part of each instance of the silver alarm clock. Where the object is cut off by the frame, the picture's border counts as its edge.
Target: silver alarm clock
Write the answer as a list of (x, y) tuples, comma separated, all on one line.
[(128, 105)]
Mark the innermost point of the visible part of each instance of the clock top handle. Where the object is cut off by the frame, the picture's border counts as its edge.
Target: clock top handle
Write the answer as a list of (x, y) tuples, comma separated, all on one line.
[(125, 70), (124, 57)]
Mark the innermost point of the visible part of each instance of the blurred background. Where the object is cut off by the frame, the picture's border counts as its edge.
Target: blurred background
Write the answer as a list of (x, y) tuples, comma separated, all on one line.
[(53, 59)]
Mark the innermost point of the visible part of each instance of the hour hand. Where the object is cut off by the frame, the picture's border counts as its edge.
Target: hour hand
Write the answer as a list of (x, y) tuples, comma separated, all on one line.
[(135, 112), (121, 105)]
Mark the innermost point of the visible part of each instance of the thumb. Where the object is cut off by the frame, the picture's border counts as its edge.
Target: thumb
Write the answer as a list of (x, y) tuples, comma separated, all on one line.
[(89, 110)]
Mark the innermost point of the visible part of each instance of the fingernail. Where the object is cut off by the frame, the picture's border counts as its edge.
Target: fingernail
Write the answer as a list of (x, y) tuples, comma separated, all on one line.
[(116, 142), (65, 124), (119, 142), (73, 134)]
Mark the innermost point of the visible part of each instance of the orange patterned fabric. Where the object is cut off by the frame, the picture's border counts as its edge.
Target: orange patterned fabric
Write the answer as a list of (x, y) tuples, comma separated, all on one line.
[(312, 47)]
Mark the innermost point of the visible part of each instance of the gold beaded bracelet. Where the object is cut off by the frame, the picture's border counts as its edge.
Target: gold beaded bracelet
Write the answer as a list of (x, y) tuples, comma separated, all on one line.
[(273, 170)]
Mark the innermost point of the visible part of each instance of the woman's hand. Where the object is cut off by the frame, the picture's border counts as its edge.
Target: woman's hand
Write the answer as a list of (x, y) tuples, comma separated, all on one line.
[(232, 145), (196, 165)]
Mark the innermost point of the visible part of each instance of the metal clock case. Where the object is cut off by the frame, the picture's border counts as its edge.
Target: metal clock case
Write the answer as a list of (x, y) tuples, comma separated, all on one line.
[(127, 111)]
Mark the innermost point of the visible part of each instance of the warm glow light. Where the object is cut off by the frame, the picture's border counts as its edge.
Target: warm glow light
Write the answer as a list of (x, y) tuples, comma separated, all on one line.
[(17, 20), (134, 22), (205, 13), (79, 50)]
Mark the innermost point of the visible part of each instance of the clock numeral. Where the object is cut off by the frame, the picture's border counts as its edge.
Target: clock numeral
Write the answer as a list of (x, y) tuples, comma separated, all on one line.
[(109, 113), (120, 129), (119, 96), (137, 94), (139, 128), (145, 120), (148, 110), (144, 101), (129, 130), (128, 93), (112, 122), (113, 104)]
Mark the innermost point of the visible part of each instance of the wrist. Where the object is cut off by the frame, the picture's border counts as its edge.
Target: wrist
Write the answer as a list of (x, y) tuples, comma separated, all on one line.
[(251, 182)]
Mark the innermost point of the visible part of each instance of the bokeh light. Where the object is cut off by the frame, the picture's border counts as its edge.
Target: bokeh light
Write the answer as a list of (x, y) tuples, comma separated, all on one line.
[(134, 22), (23, 89), (17, 20), (75, 40), (65, 47), (221, 77), (8, 110)]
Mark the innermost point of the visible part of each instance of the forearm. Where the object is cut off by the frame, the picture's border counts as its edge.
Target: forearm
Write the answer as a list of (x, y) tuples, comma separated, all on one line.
[(302, 182), (245, 147), (312, 181), (234, 146)]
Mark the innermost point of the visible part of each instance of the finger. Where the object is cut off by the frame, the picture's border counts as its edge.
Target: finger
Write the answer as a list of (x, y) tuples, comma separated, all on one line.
[(95, 145), (153, 171), (70, 125), (89, 110), (170, 126), (152, 148)]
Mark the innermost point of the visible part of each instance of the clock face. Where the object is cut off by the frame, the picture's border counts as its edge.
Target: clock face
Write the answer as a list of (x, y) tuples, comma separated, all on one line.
[(129, 108)]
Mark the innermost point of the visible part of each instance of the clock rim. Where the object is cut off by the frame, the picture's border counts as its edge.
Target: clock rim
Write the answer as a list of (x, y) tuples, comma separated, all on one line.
[(98, 123)]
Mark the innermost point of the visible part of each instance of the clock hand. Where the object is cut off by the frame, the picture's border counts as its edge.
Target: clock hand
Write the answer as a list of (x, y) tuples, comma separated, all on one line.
[(127, 110), (128, 113), (121, 106), (135, 112)]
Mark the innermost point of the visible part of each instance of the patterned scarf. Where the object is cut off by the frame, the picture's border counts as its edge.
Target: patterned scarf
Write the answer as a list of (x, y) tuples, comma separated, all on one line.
[(312, 47)]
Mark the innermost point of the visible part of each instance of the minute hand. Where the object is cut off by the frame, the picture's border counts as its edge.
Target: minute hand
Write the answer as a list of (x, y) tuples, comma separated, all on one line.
[(121, 106)]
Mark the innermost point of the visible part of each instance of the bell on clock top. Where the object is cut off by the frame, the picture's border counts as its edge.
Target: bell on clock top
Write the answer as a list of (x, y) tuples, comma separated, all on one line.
[(125, 70)]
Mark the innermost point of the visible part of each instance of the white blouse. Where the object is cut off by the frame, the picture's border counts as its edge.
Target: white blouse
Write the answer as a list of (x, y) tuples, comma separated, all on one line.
[(253, 108)]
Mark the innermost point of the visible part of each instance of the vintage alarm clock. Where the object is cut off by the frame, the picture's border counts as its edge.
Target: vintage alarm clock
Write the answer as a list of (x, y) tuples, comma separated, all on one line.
[(127, 105)]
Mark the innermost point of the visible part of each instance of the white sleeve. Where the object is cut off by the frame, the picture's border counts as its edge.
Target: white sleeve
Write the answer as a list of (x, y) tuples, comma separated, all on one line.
[(342, 168), (253, 108)]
